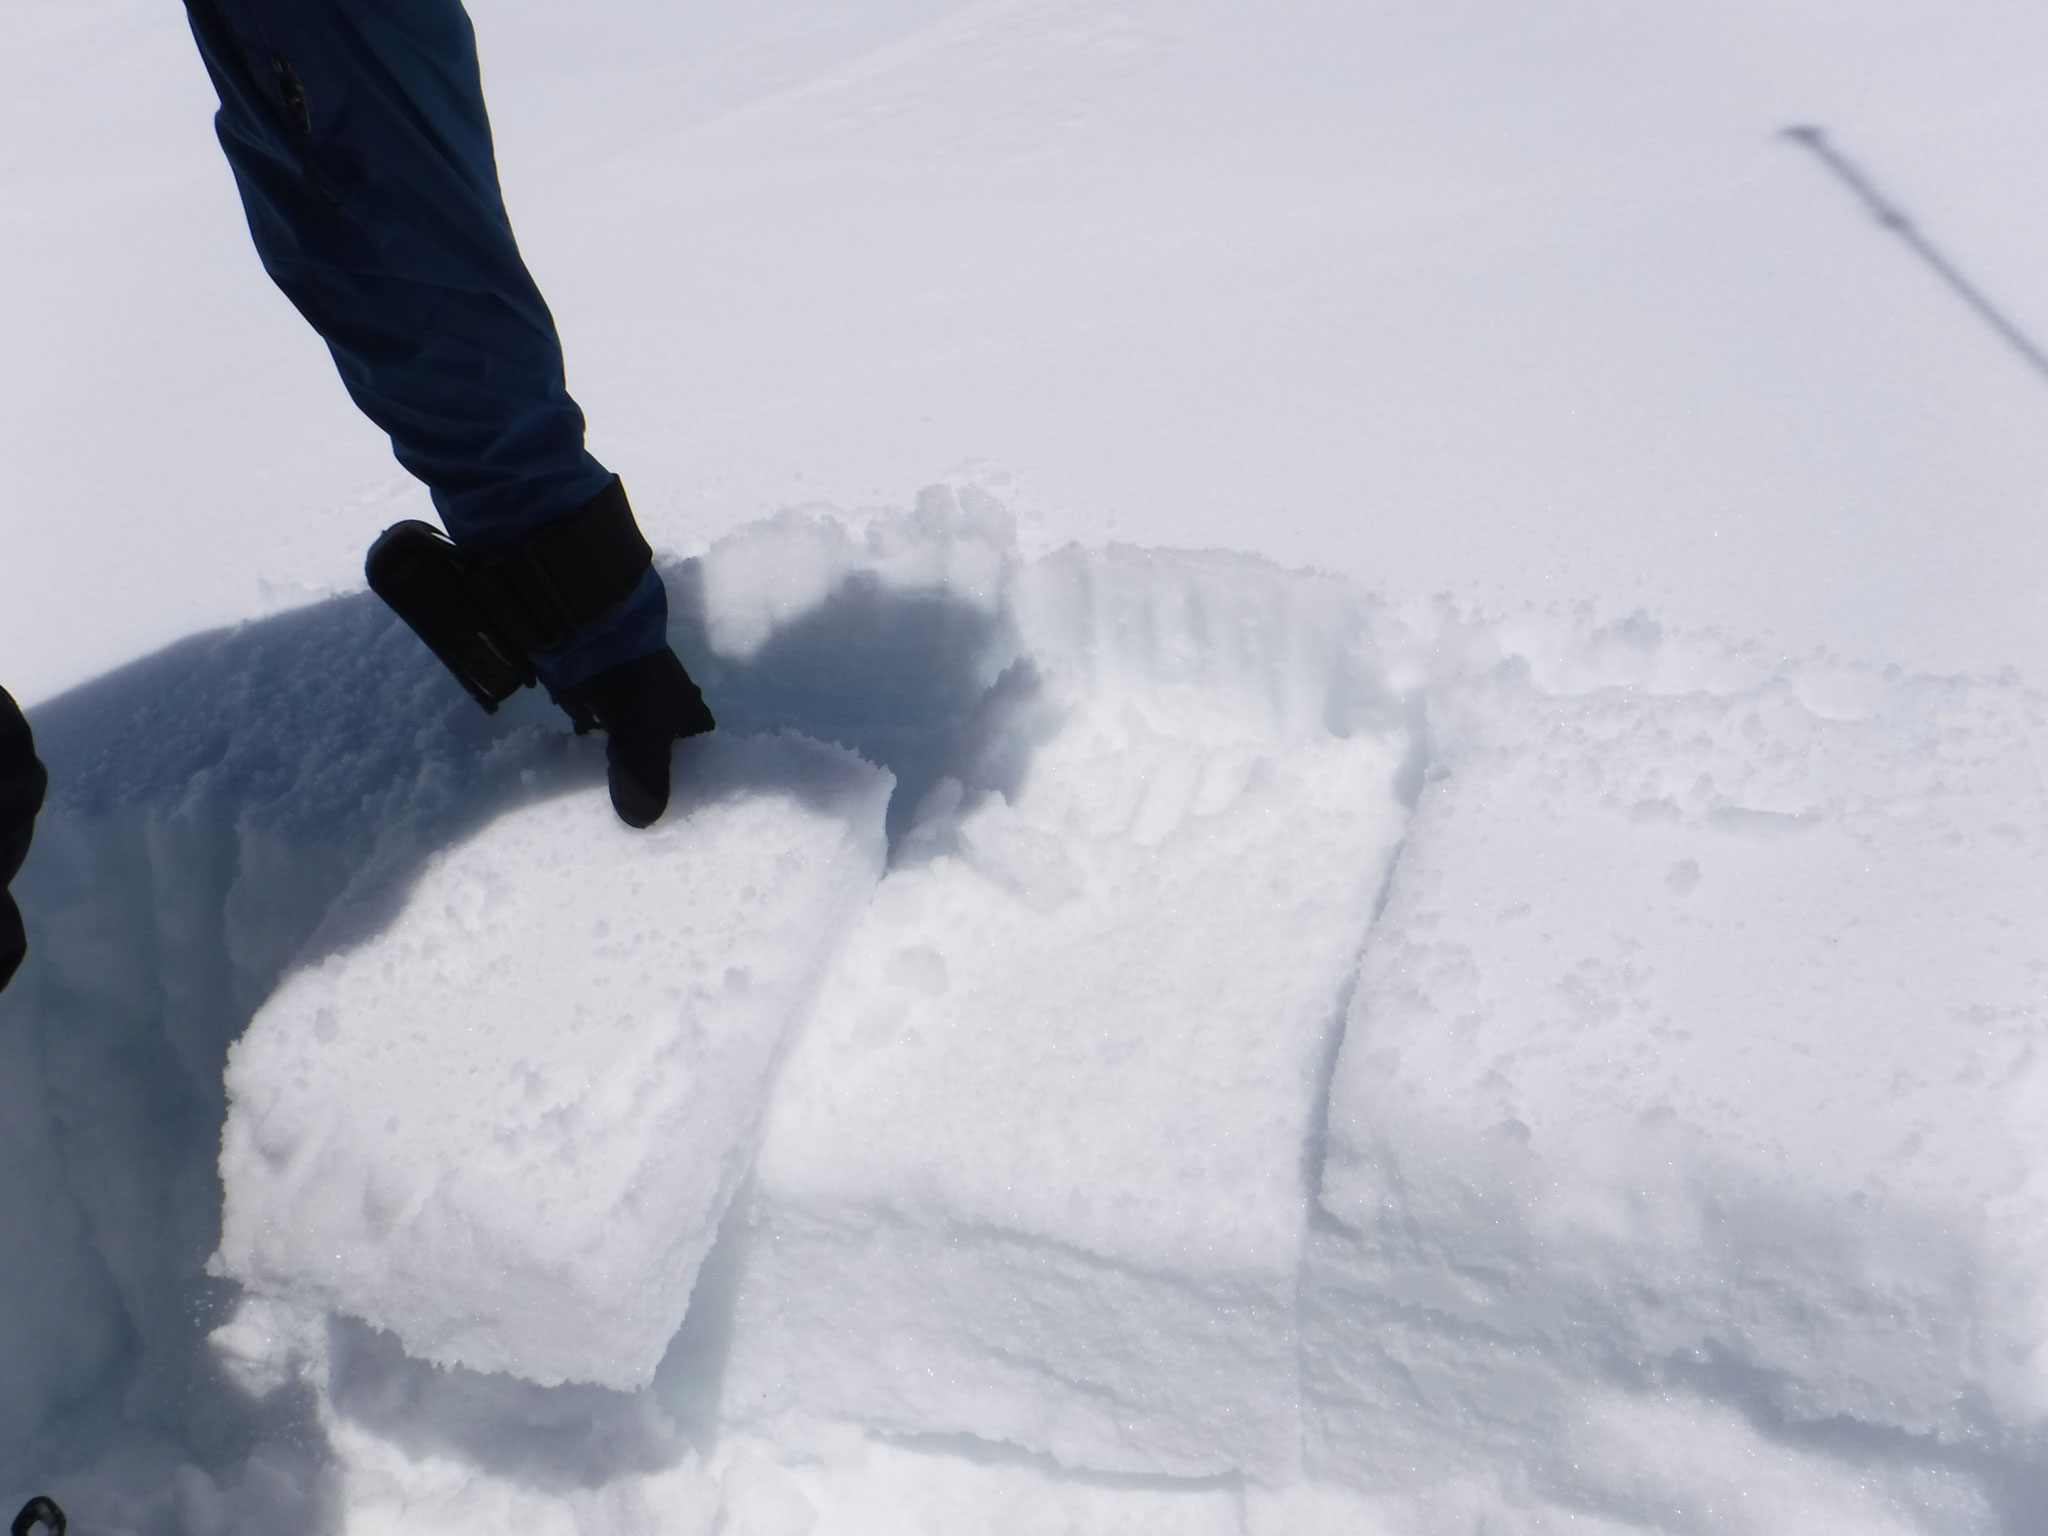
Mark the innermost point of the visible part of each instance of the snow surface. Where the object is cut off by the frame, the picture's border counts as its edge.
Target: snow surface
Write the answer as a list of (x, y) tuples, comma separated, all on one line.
[(1034, 1169), (1298, 1064), (527, 1178), (1514, 301), (1408, 902)]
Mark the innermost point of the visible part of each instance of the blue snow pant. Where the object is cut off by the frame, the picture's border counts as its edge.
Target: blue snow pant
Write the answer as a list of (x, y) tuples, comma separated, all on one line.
[(358, 137)]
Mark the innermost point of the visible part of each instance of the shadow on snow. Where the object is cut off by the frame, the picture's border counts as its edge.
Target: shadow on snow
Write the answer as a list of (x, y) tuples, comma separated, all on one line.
[(252, 799)]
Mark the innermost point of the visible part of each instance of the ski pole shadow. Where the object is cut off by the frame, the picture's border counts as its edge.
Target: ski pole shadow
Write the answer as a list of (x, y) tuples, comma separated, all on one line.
[(1892, 217)]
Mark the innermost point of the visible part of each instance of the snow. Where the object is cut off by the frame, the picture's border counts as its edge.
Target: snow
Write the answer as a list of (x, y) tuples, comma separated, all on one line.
[(1515, 302), (527, 1178), (1695, 1046), (1617, 919), (1375, 857), (1034, 1170)]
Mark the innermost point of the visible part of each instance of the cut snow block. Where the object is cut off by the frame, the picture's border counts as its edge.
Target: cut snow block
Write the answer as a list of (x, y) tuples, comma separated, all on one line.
[(1035, 1171), (506, 1128), (1702, 1040)]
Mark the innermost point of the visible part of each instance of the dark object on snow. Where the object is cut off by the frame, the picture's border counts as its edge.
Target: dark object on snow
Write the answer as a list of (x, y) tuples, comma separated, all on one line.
[(565, 575), (22, 782), (643, 706), (39, 1511), (417, 571), (487, 615)]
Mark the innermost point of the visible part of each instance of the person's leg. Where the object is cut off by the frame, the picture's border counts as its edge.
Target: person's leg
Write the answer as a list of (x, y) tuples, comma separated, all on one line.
[(360, 143), (22, 782)]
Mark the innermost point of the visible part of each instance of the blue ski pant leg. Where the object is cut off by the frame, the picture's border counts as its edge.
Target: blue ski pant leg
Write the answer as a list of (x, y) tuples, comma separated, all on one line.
[(359, 141), (360, 144)]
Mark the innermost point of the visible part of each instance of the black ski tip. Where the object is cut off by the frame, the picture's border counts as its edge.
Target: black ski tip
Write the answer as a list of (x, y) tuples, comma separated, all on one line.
[(42, 1511)]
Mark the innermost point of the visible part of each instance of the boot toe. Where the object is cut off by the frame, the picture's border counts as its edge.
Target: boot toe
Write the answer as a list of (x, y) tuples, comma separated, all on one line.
[(638, 772)]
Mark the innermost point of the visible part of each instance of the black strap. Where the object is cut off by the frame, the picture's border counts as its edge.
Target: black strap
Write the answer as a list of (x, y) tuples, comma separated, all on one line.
[(39, 1511), (414, 568), (485, 615), (566, 575)]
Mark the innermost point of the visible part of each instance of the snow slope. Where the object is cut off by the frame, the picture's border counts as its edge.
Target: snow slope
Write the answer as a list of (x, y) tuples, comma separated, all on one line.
[(1517, 302), (1410, 903)]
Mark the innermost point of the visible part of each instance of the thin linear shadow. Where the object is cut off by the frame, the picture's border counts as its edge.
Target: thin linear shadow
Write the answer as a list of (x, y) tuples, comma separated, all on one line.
[(1893, 218)]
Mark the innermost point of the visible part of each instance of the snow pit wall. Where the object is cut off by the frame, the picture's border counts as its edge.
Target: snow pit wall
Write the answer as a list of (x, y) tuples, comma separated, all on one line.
[(1036, 1169), (1045, 1161), (1702, 1028), (507, 1130)]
